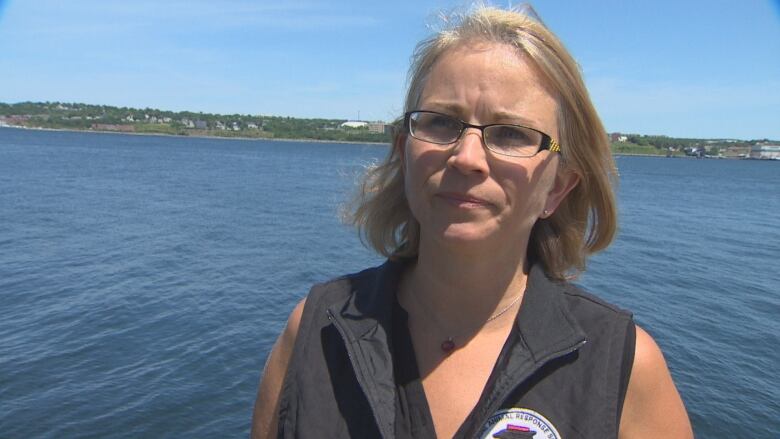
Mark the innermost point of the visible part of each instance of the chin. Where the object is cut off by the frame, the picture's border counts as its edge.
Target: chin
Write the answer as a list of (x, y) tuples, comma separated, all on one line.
[(465, 233)]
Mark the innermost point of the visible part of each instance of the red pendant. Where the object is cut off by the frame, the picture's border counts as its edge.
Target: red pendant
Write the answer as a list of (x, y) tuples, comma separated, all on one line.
[(447, 345)]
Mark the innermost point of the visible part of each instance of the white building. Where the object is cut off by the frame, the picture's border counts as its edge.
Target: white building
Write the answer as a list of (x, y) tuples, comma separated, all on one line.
[(354, 124), (765, 151)]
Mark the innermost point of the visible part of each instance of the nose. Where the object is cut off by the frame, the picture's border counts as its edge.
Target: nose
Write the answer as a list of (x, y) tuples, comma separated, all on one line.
[(469, 155)]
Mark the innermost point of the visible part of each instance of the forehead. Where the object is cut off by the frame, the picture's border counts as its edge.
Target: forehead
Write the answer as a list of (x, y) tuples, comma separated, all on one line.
[(490, 81)]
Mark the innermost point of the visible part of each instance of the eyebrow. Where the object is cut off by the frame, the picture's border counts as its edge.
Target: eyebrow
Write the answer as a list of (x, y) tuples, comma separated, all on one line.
[(500, 115), (445, 106), (503, 115)]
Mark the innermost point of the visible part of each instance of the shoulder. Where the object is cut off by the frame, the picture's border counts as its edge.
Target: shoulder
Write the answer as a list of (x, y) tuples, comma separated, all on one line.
[(299, 332), (264, 419), (648, 356), (343, 286), (290, 332), (282, 350), (591, 309), (363, 291), (653, 406), (574, 302)]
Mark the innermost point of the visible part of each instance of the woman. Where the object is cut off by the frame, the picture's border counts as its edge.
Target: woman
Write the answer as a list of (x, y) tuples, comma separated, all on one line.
[(496, 189)]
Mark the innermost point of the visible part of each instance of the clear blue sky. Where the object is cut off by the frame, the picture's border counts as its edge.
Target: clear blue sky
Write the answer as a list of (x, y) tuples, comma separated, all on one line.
[(681, 68)]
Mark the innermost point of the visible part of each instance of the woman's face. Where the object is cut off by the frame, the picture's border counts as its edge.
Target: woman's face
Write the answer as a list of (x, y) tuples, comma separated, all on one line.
[(462, 193)]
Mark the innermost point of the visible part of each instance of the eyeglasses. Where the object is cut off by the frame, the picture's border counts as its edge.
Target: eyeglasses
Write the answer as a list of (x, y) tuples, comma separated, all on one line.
[(503, 139)]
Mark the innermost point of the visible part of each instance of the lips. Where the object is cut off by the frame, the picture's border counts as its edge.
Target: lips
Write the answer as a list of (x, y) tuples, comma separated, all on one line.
[(463, 200)]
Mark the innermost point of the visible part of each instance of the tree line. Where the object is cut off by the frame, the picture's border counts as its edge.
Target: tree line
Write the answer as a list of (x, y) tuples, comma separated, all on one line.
[(150, 120)]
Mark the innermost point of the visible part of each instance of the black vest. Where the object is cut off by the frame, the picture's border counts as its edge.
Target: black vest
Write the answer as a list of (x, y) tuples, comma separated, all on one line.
[(562, 373)]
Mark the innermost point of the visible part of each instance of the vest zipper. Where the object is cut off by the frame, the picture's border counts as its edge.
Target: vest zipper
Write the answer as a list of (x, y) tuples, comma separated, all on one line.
[(358, 372)]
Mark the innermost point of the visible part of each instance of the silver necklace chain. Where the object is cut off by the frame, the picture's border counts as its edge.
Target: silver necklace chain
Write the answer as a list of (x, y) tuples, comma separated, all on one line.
[(500, 313), (448, 345)]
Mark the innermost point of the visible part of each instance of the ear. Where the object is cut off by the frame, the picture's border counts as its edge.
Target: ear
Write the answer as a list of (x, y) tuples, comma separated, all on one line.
[(566, 179)]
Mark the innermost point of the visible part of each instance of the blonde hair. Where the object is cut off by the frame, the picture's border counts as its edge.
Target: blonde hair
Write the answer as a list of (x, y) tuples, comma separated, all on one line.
[(584, 223)]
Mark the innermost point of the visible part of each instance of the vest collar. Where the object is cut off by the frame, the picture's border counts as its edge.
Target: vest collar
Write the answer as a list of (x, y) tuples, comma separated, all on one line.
[(544, 321), (546, 327), (370, 303)]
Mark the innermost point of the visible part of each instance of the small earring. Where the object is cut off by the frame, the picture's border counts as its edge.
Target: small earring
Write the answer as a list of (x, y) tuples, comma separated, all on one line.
[(546, 213)]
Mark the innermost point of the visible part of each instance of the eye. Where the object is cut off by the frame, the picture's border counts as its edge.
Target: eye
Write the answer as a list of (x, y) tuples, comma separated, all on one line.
[(513, 134), (434, 127), (443, 121)]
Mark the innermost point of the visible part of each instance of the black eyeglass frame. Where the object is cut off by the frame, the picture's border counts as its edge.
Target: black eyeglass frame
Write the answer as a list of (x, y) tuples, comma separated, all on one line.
[(548, 143)]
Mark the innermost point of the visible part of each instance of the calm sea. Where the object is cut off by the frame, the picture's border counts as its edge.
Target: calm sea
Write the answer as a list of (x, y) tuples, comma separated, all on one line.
[(143, 279)]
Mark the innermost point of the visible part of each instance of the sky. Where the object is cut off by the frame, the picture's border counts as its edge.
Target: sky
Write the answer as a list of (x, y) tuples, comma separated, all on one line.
[(704, 69)]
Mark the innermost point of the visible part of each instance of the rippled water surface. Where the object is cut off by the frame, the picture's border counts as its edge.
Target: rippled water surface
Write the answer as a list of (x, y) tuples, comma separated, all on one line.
[(143, 279)]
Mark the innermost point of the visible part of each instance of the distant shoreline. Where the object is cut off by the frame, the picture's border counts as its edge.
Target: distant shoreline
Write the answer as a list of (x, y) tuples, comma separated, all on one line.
[(272, 139)]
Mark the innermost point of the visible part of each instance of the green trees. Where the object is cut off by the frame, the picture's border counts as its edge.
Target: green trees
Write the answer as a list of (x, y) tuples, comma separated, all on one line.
[(150, 120)]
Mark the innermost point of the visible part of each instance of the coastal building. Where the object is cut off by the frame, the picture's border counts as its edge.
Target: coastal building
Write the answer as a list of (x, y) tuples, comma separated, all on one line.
[(201, 125), (219, 125), (765, 152), (617, 137), (251, 126), (379, 128), (15, 120), (354, 124), (737, 152)]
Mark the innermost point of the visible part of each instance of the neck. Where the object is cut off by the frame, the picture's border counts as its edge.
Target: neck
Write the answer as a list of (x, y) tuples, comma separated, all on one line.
[(465, 287)]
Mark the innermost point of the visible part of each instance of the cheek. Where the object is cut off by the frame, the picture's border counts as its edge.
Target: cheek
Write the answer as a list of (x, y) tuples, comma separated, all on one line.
[(525, 186), (420, 164)]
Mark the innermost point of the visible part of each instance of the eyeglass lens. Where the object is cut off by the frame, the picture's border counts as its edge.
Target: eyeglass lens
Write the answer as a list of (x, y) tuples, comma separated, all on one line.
[(503, 139)]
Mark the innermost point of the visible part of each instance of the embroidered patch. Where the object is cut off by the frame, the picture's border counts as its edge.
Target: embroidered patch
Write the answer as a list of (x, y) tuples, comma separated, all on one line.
[(518, 423)]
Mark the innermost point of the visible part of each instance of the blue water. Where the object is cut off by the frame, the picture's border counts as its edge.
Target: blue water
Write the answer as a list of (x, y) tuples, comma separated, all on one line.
[(143, 279)]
